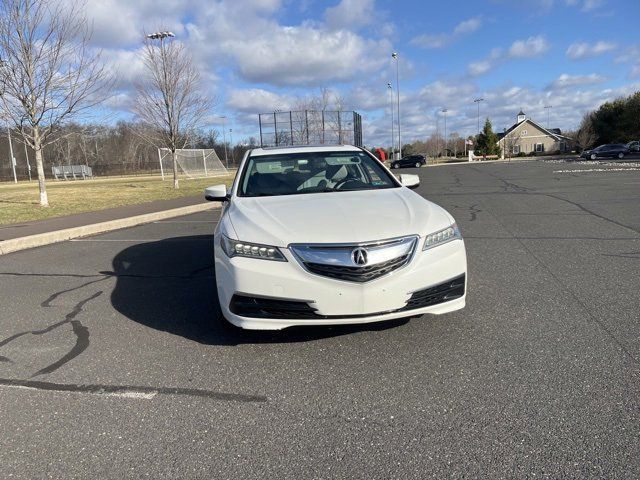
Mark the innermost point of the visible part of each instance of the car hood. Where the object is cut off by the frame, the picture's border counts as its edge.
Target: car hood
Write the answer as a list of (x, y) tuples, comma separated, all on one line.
[(337, 217)]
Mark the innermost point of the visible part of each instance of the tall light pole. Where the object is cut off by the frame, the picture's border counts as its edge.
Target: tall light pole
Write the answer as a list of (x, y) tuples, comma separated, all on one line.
[(444, 110), (161, 36), (390, 88), (394, 55), (477, 101), (232, 147), (224, 139), (13, 160), (548, 108)]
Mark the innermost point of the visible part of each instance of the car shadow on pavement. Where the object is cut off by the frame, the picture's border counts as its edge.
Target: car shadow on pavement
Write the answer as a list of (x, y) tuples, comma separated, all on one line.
[(169, 285)]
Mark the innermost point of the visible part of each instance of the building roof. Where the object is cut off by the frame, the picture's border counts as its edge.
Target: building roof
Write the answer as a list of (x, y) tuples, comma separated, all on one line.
[(552, 132), (521, 113)]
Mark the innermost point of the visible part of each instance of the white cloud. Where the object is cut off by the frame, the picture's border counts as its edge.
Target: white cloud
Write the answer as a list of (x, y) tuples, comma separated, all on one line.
[(520, 49), (257, 100), (529, 48), (590, 5), (565, 80), (479, 68), (578, 51), (350, 14), (441, 40)]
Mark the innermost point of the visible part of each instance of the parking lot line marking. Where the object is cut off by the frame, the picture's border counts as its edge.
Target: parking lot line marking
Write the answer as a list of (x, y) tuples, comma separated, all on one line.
[(140, 240), (135, 392), (186, 221)]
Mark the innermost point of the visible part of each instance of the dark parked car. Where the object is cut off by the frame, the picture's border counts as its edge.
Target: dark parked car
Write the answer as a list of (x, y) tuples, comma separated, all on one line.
[(610, 150), (634, 146), (409, 161)]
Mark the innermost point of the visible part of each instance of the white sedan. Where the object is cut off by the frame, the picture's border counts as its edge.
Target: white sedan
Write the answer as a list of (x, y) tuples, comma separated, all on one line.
[(327, 235)]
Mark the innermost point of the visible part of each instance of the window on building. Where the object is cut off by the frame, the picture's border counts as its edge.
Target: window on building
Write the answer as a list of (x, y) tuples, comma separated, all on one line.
[(539, 147), (563, 146), (515, 149), (523, 133)]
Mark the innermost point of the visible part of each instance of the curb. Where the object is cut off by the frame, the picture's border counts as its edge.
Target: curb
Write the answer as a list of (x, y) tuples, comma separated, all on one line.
[(41, 239)]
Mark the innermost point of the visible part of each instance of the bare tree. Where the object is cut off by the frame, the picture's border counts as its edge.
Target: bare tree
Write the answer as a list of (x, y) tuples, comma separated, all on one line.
[(49, 74), (169, 99), (586, 135)]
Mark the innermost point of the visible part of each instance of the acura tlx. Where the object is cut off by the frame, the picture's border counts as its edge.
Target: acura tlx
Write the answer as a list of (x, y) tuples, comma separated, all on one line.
[(327, 235)]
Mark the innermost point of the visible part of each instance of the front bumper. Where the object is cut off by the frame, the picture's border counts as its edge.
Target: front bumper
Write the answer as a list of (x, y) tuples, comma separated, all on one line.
[(336, 302)]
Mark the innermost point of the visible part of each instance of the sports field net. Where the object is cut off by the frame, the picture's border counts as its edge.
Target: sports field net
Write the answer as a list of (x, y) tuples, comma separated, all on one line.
[(192, 163)]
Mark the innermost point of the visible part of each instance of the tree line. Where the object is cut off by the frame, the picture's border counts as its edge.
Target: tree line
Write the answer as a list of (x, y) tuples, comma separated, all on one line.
[(613, 122)]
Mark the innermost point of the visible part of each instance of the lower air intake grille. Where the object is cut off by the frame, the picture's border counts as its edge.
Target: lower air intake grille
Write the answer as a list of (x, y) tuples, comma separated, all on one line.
[(256, 307), (433, 295)]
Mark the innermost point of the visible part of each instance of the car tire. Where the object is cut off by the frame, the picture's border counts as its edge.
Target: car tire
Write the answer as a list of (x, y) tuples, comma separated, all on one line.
[(593, 156), (395, 165), (621, 155), (418, 164)]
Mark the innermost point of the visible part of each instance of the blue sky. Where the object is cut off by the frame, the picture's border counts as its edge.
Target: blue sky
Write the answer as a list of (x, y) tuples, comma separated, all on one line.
[(261, 55)]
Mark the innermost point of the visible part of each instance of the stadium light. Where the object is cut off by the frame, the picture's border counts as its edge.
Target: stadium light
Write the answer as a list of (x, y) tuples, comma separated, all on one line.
[(160, 35), (224, 138)]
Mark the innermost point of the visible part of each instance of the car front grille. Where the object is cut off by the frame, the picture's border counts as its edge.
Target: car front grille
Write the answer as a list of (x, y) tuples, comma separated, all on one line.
[(357, 274), (337, 261)]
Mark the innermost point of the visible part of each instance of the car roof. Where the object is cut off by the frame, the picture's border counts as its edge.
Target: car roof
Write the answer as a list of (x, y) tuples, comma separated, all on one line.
[(256, 152)]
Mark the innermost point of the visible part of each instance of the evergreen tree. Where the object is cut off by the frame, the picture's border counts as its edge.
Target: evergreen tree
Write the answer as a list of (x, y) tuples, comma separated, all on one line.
[(487, 141)]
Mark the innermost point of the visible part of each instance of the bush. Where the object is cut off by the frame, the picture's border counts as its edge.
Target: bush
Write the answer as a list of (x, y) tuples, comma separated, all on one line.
[(521, 154), (532, 154)]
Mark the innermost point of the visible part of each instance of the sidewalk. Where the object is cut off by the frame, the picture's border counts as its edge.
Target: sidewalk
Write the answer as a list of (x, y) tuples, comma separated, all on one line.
[(20, 236), (24, 229)]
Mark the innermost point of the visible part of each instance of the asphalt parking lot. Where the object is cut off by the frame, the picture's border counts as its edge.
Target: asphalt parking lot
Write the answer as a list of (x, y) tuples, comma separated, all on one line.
[(113, 365)]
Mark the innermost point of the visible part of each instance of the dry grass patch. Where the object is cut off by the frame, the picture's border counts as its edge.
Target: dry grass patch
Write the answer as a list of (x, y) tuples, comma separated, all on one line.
[(19, 202)]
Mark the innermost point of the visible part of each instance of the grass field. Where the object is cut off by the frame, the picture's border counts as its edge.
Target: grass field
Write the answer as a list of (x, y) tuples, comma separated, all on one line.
[(19, 202)]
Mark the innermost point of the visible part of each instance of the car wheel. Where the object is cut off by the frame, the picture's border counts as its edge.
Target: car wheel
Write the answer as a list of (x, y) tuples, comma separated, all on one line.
[(593, 156), (418, 164), (395, 165), (621, 155)]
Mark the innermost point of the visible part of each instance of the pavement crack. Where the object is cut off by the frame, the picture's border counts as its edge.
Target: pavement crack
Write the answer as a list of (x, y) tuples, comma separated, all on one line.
[(131, 391), (80, 331), (591, 212), (47, 302)]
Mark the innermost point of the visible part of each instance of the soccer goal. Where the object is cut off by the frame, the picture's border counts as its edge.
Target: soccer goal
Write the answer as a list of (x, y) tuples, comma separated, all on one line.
[(192, 163)]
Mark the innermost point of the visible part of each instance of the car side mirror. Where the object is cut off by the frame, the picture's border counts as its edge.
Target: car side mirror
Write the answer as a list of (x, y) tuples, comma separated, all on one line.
[(217, 193), (409, 180)]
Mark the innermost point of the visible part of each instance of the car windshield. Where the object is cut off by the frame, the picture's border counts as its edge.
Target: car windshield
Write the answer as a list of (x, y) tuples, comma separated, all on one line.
[(312, 172)]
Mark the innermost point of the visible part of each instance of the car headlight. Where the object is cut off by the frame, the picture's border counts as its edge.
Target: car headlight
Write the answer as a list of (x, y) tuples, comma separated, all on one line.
[(236, 248), (442, 236)]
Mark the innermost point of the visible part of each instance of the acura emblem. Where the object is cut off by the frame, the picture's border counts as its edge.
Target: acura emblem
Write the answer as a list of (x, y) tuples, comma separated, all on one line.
[(359, 256)]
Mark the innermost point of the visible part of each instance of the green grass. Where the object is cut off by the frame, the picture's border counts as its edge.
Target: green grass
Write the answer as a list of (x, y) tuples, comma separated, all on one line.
[(20, 202)]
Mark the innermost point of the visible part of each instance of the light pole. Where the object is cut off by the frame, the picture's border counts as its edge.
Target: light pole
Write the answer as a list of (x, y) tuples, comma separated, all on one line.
[(231, 145), (390, 88), (224, 139), (477, 101), (444, 110), (548, 108), (394, 55), (13, 160)]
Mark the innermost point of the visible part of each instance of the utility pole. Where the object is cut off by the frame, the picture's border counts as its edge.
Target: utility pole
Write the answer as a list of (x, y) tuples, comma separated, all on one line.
[(477, 101), (548, 108), (13, 160), (26, 155), (390, 88), (444, 110), (224, 139), (394, 55)]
